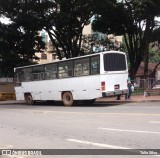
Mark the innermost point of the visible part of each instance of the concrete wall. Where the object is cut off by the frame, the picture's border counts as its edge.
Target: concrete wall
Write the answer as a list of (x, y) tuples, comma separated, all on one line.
[(6, 87)]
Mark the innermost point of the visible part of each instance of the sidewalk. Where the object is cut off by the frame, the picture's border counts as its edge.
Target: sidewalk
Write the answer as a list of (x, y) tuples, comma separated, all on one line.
[(134, 98), (8, 102)]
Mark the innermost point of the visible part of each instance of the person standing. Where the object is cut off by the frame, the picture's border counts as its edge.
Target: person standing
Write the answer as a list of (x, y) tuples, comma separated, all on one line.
[(129, 85)]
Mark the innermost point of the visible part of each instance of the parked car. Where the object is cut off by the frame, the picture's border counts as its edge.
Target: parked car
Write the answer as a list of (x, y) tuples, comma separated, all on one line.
[(156, 84)]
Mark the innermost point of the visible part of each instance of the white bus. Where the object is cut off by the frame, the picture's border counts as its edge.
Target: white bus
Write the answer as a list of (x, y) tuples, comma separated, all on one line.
[(82, 78)]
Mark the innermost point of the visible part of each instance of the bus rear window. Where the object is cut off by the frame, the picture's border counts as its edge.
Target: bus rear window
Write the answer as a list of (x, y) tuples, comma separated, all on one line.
[(114, 62)]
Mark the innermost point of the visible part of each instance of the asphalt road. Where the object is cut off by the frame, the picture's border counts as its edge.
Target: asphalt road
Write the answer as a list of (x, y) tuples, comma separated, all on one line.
[(101, 126)]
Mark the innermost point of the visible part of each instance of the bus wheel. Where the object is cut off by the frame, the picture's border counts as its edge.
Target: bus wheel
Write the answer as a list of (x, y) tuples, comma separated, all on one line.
[(67, 99), (29, 99)]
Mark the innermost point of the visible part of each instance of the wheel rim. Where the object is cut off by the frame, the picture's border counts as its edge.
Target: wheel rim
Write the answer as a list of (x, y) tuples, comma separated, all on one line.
[(67, 99), (29, 99)]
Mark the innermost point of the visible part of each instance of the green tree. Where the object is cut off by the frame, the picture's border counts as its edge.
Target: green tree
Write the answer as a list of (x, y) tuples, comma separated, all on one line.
[(64, 24), (97, 42), (19, 40), (63, 20), (155, 46), (135, 20), (17, 48)]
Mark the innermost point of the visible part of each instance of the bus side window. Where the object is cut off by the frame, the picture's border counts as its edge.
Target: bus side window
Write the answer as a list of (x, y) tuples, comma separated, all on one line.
[(81, 67), (36, 76), (28, 74), (78, 69), (18, 77), (50, 71), (61, 71), (85, 66), (37, 73), (95, 65), (65, 69)]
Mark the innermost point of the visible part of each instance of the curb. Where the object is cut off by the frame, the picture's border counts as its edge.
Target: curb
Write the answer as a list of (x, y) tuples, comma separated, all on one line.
[(9, 102), (128, 101)]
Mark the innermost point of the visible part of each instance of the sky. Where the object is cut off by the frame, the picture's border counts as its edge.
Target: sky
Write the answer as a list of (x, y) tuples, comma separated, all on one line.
[(4, 20)]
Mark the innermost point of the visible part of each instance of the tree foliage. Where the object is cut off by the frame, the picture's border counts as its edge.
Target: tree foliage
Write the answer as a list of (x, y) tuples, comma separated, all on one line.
[(17, 48), (96, 42), (63, 20), (68, 18), (155, 46), (135, 20), (19, 39)]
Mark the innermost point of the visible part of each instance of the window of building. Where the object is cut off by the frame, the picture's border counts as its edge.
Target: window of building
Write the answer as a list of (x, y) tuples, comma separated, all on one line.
[(44, 56), (53, 56)]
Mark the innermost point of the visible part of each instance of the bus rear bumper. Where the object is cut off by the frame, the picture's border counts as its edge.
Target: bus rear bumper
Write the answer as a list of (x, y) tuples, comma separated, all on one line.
[(115, 93)]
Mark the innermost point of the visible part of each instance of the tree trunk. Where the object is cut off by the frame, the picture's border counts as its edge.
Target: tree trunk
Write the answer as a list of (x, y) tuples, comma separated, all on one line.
[(147, 34), (134, 68)]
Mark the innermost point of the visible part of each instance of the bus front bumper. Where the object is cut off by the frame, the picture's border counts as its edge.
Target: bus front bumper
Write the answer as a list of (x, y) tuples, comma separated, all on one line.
[(115, 93)]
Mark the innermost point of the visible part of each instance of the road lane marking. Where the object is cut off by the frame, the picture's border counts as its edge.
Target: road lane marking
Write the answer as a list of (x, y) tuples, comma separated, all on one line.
[(154, 122), (133, 131), (83, 113), (96, 144), (100, 145)]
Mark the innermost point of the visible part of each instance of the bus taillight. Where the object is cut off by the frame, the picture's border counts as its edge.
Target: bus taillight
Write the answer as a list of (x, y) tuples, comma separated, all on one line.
[(103, 86)]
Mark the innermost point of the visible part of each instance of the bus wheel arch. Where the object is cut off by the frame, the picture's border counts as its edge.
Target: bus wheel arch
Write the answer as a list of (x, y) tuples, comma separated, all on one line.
[(67, 98), (29, 99)]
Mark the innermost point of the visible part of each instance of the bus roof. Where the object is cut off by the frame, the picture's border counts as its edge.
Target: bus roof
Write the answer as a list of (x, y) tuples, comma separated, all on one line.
[(57, 61)]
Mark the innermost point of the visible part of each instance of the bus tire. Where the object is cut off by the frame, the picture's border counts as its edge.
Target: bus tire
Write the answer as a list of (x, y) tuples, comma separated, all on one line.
[(67, 99), (29, 99)]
